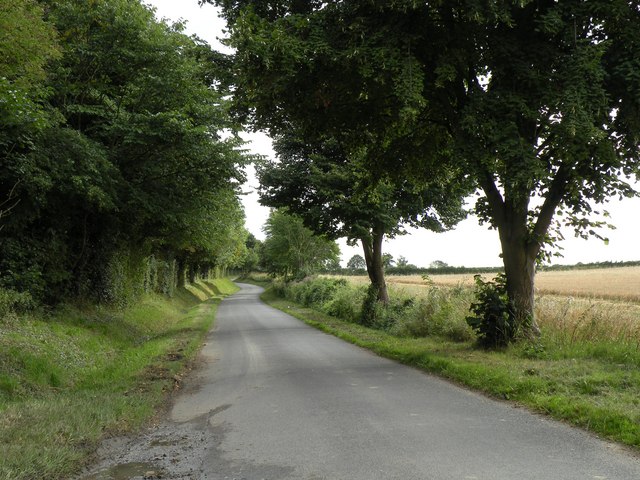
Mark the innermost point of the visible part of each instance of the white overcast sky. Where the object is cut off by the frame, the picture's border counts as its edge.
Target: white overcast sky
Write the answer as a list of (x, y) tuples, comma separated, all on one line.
[(469, 244)]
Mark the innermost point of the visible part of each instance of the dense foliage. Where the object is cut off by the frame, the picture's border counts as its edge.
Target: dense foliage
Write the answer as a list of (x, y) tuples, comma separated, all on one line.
[(439, 312), (537, 102), (336, 194), (291, 250), (114, 172), (492, 319)]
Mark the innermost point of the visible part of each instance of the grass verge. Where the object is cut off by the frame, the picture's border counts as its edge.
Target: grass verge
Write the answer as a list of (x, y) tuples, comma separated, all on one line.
[(71, 378), (594, 385)]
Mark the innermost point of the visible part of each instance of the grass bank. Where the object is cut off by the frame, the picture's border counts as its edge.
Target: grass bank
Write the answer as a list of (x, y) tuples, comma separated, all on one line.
[(70, 378), (593, 383)]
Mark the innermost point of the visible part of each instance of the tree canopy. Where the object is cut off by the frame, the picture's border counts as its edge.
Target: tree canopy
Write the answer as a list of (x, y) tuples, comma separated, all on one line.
[(337, 194), (111, 146), (292, 250), (356, 262), (543, 118), (537, 102)]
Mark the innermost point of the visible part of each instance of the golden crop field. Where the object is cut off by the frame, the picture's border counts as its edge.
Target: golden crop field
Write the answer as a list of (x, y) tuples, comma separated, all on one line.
[(575, 304), (622, 283)]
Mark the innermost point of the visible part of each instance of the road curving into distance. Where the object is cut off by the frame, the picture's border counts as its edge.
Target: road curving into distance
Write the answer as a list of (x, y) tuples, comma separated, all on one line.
[(285, 401), (274, 399)]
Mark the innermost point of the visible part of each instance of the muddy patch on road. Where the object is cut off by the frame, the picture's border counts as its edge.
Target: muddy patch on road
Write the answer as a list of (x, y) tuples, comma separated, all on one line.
[(178, 451), (167, 451)]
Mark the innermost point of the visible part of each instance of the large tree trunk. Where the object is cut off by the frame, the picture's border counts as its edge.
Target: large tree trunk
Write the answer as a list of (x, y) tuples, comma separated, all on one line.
[(193, 272), (519, 268), (373, 258), (520, 245), (181, 271)]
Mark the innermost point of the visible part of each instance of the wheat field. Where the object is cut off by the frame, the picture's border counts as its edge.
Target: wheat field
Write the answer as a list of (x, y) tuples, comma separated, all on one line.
[(591, 305), (621, 283)]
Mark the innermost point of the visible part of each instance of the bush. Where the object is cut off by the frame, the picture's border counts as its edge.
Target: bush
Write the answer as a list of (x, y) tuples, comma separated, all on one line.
[(12, 302), (438, 313), (384, 317), (346, 303), (160, 275), (333, 296), (493, 319), (280, 288), (314, 292), (371, 309), (124, 278)]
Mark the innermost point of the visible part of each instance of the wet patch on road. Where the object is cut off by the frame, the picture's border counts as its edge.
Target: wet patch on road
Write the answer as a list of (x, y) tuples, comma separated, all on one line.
[(127, 471), (191, 450), (167, 451)]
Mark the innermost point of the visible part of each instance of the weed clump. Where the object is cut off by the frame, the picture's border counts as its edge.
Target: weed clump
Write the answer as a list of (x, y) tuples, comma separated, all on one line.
[(439, 312)]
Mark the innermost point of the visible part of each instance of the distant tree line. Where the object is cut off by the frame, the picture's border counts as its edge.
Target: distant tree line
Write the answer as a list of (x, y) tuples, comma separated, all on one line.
[(114, 175), (438, 267)]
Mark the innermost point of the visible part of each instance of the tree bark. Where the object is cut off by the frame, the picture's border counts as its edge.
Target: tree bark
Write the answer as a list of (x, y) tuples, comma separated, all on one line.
[(181, 271), (519, 251), (519, 268), (193, 273), (204, 272), (373, 258)]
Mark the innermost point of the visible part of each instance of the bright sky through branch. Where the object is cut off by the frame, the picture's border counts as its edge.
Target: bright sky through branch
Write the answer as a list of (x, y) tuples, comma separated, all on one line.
[(469, 244)]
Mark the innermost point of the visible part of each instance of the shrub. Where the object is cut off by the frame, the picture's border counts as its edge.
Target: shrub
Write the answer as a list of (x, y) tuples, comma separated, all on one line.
[(160, 275), (384, 317), (12, 302), (333, 296), (440, 312), (346, 303), (314, 292), (370, 307), (493, 317), (280, 288), (124, 278)]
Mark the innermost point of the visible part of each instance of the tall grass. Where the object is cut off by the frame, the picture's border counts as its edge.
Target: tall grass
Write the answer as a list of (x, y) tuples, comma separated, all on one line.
[(599, 314), (69, 378), (573, 319), (619, 283), (437, 311)]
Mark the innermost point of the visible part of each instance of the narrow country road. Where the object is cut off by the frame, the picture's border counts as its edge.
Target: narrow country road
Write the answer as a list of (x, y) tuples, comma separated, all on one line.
[(279, 400)]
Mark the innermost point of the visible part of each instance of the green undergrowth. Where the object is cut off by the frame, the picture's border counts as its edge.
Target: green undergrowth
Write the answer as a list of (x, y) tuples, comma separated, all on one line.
[(594, 385), (72, 377)]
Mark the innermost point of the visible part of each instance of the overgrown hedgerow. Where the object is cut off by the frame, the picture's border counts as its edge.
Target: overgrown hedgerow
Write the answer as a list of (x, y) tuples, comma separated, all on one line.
[(440, 312)]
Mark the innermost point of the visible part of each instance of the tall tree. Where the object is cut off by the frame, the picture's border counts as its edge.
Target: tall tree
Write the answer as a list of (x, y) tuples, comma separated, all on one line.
[(27, 44), (356, 262), (338, 195), (544, 116), (537, 100), (128, 155), (251, 258), (292, 250)]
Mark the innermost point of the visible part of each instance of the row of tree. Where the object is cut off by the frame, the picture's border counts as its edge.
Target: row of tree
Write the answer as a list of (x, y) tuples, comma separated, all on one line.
[(391, 113), (290, 250), (112, 157)]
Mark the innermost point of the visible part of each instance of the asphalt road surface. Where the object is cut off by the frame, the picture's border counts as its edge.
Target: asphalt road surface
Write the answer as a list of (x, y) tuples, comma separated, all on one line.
[(274, 399), (286, 401)]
